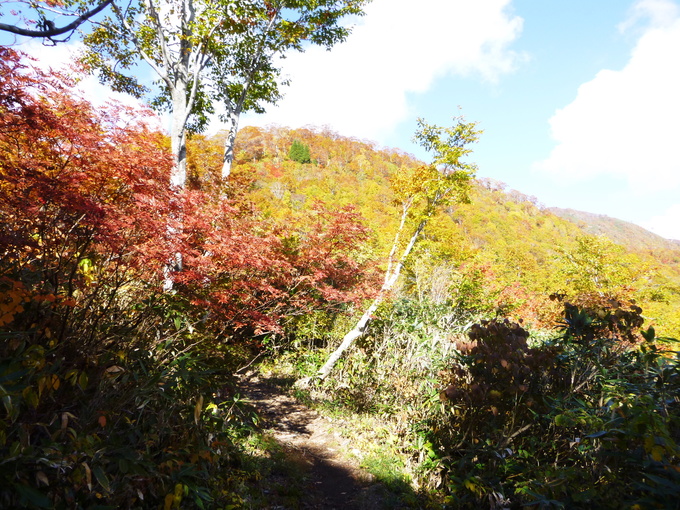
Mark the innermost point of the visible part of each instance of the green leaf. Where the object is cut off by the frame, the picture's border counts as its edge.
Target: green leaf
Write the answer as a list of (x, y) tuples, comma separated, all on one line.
[(101, 478), (123, 466), (563, 420), (82, 380)]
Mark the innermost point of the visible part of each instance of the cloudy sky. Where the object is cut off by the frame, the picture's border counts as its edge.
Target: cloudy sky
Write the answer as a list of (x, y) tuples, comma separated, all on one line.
[(578, 100)]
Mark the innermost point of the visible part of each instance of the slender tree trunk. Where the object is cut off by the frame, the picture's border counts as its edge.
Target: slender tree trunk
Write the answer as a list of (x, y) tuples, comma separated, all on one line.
[(228, 159), (178, 180), (235, 109), (391, 277), (178, 137), (178, 176), (356, 332)]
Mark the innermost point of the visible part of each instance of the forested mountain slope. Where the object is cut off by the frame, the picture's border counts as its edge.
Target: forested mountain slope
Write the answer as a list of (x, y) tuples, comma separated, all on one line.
[(505, 246), (621, 232), (522, 405)]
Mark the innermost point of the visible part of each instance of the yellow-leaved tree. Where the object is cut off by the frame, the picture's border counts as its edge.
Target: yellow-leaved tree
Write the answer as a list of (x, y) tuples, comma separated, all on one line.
[(420, 191), (598, 265)]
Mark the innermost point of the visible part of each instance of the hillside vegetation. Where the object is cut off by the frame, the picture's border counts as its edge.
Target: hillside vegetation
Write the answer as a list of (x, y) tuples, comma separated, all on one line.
[(519, 362), (627, 234), (516, 250)]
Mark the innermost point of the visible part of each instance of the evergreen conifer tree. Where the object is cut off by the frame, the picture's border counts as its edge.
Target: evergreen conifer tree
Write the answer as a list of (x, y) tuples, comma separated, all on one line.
[(299, 152)]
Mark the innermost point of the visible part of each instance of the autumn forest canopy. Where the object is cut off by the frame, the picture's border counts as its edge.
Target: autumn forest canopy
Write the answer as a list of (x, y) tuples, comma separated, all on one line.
[(513, 359)]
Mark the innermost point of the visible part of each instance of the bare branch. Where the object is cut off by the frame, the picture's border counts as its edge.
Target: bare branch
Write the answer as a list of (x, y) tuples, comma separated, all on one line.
[(49, 30)]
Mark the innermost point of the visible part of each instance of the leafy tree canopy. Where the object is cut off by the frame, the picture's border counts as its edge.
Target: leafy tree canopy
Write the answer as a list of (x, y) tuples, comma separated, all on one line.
[(210, 55)]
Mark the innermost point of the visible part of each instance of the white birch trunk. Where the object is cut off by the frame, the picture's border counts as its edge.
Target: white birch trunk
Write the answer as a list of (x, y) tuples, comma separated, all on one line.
[(178, 138), (232, 124), (178, 176), (391, 277), (356, 332)]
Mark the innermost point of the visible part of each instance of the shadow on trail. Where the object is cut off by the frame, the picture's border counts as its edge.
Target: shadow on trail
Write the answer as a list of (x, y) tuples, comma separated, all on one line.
[(309, 470)]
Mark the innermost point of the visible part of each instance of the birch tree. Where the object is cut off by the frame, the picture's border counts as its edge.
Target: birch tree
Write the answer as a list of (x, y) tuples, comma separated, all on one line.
[(210, 55), (421, 192)]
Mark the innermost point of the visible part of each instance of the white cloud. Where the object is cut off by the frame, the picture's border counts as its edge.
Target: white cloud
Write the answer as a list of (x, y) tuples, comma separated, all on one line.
[(625, 123), (667, 224), (60, 58), (659, 12), (360, 88)]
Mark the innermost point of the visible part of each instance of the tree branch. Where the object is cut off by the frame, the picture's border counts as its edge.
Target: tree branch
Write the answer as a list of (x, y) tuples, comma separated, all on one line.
[(51, 30)]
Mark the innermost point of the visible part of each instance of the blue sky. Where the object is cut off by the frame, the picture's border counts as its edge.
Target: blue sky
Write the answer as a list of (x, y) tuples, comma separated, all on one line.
[(578, 99)]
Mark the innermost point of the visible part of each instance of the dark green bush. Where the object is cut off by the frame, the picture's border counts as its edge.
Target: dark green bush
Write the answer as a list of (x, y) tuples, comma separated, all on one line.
[(589, 420), (137, 427)]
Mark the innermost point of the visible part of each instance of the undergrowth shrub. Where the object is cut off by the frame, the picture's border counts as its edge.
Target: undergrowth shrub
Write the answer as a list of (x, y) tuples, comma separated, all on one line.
[(589, 420), (113, 396), (132, 428), (249, 276), (406, 344)]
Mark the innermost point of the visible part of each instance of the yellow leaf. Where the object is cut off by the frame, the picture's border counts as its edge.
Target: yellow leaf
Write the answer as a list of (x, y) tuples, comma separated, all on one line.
[(471, 486), (88, 475), (657, 452), (55, 382), (169, 500), (649, 443), (198, 409), (179, 492)]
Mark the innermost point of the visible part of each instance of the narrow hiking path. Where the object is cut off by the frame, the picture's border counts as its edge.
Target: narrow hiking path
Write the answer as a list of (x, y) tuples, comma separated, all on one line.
[(332, 480)]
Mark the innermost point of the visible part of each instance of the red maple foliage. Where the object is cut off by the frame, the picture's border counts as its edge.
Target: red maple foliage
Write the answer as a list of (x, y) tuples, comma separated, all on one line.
[(89, 218), (249, 273), (83, 193)]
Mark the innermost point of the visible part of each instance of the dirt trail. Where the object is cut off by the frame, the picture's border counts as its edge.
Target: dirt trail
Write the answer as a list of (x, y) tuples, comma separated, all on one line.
[(333, 481)]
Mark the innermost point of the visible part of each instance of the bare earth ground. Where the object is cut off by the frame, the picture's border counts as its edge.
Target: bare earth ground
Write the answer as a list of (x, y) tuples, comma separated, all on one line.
[(332, 480)]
